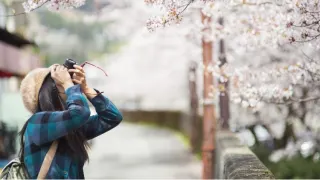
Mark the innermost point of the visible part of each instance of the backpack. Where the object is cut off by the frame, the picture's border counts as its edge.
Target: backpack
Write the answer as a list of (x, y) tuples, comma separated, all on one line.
[(16, 169)]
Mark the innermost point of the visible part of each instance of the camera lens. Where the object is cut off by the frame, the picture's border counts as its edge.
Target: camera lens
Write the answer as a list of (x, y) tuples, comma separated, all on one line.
[(69, 63)]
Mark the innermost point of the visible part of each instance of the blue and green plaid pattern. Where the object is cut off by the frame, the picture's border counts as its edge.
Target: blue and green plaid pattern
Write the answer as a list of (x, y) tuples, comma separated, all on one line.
[(45, 127)]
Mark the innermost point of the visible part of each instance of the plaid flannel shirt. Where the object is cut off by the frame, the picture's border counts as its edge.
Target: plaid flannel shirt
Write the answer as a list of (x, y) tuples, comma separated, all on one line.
[(45, 127)]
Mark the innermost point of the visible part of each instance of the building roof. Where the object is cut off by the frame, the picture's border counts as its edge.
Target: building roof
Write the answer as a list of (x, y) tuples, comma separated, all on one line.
[(14, 39)]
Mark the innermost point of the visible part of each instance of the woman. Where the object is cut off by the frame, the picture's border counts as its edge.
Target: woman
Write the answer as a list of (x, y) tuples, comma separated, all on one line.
[(61, 112)]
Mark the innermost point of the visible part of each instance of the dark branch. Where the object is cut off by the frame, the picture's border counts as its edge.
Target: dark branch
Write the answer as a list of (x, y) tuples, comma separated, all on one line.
[(186, 6)]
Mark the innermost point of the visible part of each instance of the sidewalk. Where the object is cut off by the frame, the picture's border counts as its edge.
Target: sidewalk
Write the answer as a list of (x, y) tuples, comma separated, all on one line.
[(133, 152)]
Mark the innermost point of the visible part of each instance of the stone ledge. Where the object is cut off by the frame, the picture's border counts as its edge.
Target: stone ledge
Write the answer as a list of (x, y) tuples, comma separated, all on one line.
[(236, 161)]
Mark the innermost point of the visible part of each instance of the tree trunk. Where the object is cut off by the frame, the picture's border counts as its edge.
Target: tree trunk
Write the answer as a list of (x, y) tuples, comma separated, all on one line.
[(251, 129), (283, 141), (287, 134)]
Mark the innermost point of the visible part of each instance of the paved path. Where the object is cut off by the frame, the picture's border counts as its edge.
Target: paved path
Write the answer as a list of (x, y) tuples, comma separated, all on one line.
[(133, 152)]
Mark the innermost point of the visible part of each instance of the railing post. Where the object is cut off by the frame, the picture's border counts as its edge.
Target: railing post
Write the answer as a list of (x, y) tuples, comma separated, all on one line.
[(209, 121)]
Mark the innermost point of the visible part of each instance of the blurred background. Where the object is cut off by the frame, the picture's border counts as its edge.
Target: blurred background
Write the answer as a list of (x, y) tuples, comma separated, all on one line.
[(152, 78)]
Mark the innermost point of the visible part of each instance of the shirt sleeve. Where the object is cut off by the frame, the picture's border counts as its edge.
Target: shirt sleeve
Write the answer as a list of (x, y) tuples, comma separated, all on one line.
[(44, 127), (108, 116)]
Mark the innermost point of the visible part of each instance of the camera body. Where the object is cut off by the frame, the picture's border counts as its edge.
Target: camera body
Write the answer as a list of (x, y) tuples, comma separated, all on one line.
[(69, 64)]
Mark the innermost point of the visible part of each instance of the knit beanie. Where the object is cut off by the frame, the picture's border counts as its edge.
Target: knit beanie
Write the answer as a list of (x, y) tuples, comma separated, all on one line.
[(30, 87)]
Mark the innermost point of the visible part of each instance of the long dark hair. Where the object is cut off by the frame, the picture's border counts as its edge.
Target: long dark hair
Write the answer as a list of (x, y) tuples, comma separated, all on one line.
[(75, 143)]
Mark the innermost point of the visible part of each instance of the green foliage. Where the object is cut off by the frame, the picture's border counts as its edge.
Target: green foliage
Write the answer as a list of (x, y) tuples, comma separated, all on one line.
[(51, 20), (180, 134), (297, 167), (93, 42), (168, 119), (60, 58), (88, 6), (85, 31)]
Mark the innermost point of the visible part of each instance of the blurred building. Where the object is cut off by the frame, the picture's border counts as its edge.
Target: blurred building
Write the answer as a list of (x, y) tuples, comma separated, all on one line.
[(2, 18), (16, 52), (17, 58)]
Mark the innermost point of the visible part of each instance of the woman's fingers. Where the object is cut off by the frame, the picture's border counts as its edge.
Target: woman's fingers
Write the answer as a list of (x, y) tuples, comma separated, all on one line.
[(77, 81), (60, 68), (53, 67), (55, 64), (76, 71), (79, 68), (52, 71)]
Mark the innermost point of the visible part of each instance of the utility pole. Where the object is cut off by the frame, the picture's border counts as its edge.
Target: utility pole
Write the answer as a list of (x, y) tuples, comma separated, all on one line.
[(209, 119), (193, 104), (223, 86), (97, 7)]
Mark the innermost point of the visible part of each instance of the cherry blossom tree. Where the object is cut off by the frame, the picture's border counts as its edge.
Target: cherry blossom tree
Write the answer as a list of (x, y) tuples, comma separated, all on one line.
[(271, 49)]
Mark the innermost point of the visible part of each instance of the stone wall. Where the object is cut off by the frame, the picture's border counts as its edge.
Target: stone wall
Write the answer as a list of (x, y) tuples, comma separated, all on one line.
[(236, 161)]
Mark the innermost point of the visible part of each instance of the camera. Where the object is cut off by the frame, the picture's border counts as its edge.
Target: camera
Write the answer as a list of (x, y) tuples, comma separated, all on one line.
[(69, 64)]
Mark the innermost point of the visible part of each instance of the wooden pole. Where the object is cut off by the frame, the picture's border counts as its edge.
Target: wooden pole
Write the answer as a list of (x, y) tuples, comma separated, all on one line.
[(194, 104), (97, 7), (209, 121), (223, 86)]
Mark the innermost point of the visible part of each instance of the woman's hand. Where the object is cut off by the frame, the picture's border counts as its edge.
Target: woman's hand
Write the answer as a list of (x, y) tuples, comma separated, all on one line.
[(79, 77), (61, 76)]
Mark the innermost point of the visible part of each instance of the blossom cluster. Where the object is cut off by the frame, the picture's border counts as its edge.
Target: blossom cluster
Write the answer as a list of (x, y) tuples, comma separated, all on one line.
[(170, 13), (276, 83), (305, 21), (55, 5), (251, 23)]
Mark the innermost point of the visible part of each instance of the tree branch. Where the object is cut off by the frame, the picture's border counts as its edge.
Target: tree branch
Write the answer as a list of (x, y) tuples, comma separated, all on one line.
[(186, 6), (17, 14)]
